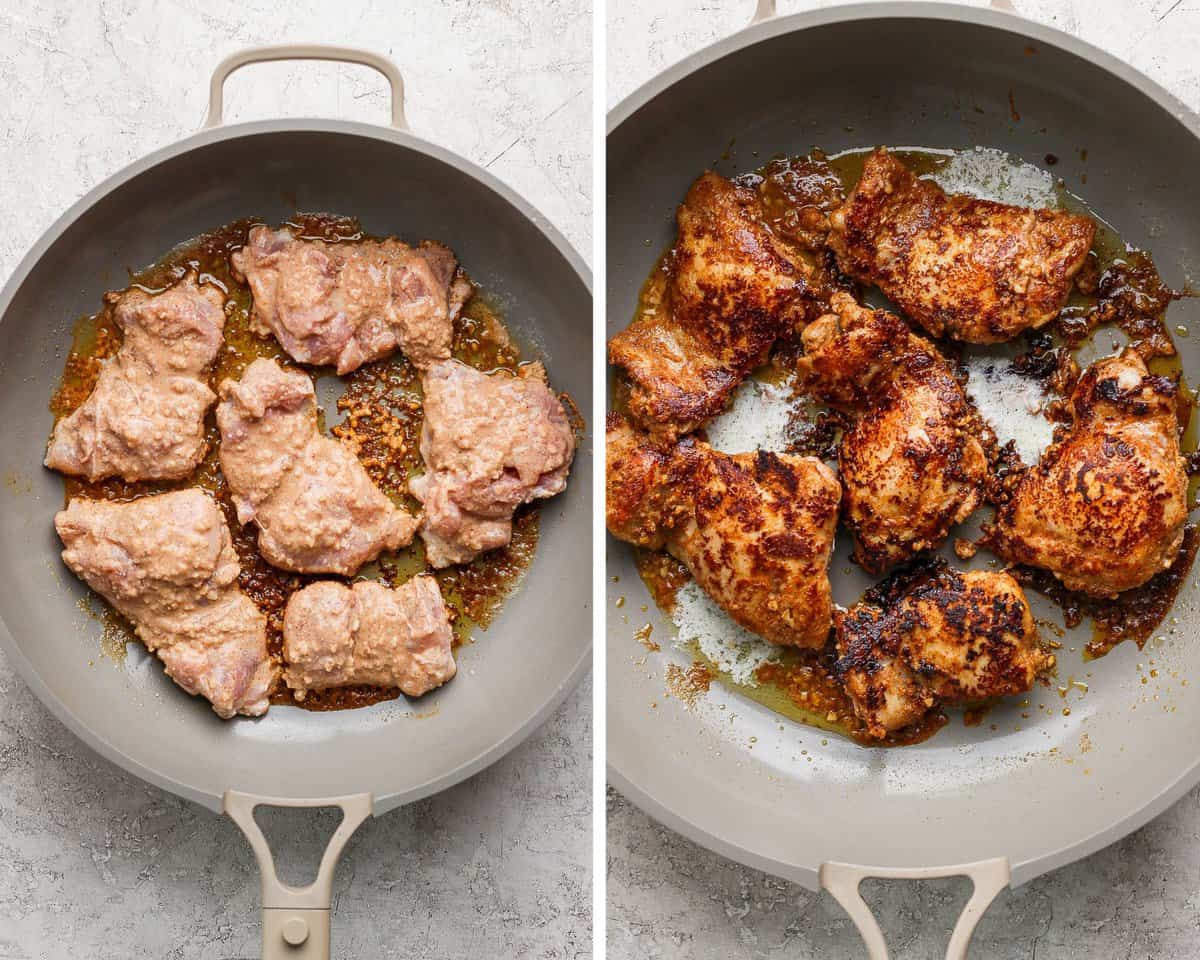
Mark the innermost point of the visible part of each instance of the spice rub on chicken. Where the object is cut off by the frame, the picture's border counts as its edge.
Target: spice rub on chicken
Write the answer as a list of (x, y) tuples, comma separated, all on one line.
[(351, 302), (941, 637), (167, 564), (336, 635), (145, 418), (912, 461), (490, 442), (315, 506), (756, 530), (974, 270), (731, 291), (1104, 509)]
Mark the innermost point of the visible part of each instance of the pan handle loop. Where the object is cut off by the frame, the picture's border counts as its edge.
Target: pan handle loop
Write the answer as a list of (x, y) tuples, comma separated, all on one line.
[(842, 880), (303, 51), (763, 10), (295, 920)]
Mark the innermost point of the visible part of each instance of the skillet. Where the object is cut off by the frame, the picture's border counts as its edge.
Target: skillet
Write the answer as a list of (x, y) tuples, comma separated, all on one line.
[(365, 761), (1001, 806)]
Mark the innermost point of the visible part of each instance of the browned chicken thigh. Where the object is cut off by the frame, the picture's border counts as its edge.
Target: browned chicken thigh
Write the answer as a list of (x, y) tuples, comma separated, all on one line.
[(1104, 509), (336, 635), (756, 529), (351, 302), (970, 269), (315, 506), (943, 638), (145, 418), (731, 291), (490, 442), (167, 564), (912, 462)]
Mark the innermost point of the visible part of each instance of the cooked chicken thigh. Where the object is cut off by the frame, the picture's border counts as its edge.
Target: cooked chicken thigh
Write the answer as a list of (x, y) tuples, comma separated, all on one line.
[(755, 529), (970, 269), (336, 636), (316, 508), (731, 291), (167, 564), (490, 443), (945, 638), (912, 462), (1104, 509), (145, 418), (351, 302)]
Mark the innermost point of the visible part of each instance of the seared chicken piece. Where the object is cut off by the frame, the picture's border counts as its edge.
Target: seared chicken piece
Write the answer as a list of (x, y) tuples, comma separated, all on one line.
[(970, 269), (167, 564), (336, 636), (316, 508), (912, 462), (1104, 508), (646, 484), (945, 638), (731, 291), (755, 529), (145, 418), (352, 302), (490, 442)]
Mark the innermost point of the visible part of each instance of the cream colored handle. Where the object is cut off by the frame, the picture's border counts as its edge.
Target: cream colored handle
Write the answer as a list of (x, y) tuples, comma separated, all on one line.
[(842, 880), (763, 10), (295, 921), (303, 51)]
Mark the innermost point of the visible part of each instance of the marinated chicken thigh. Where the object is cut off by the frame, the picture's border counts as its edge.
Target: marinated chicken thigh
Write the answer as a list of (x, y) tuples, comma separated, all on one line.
[(167, 564), (316, 508), (145, 418), (1104, 509), (912, 462), (336, 635), (351, 302), (945, 638), (970, 269), (755, 529), (731, 291), (490, 443)]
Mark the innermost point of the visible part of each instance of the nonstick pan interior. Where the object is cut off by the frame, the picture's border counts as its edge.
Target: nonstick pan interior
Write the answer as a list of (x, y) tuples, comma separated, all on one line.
[(521, 667), (1046, 786)]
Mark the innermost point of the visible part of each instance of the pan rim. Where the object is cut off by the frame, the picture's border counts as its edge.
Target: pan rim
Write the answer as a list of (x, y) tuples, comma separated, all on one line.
[(645, 799), (108, 750)]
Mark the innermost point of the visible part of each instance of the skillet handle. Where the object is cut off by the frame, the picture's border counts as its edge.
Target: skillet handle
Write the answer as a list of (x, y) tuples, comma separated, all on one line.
[(842, 880), (304, 51), (295, 920), (763, 10)]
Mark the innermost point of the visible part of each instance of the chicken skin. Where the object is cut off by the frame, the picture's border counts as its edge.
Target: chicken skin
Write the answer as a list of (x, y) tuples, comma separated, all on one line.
[(490, 442), (970, 269), (336, 635), (351, 302), (756, 530), (731, 290), (1104, 509), (145, 418), (943, 637), (167, 564), (912, 462), (316, 508)]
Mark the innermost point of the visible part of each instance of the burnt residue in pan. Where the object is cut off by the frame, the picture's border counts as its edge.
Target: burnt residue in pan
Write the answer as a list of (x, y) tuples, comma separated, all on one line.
[(380, 405)]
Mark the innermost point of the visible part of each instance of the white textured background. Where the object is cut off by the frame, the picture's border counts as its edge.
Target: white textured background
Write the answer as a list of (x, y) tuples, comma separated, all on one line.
[(94, 864), (1138, 900)]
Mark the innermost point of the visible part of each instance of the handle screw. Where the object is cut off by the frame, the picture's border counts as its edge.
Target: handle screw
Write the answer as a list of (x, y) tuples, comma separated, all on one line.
[(295, 931)]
